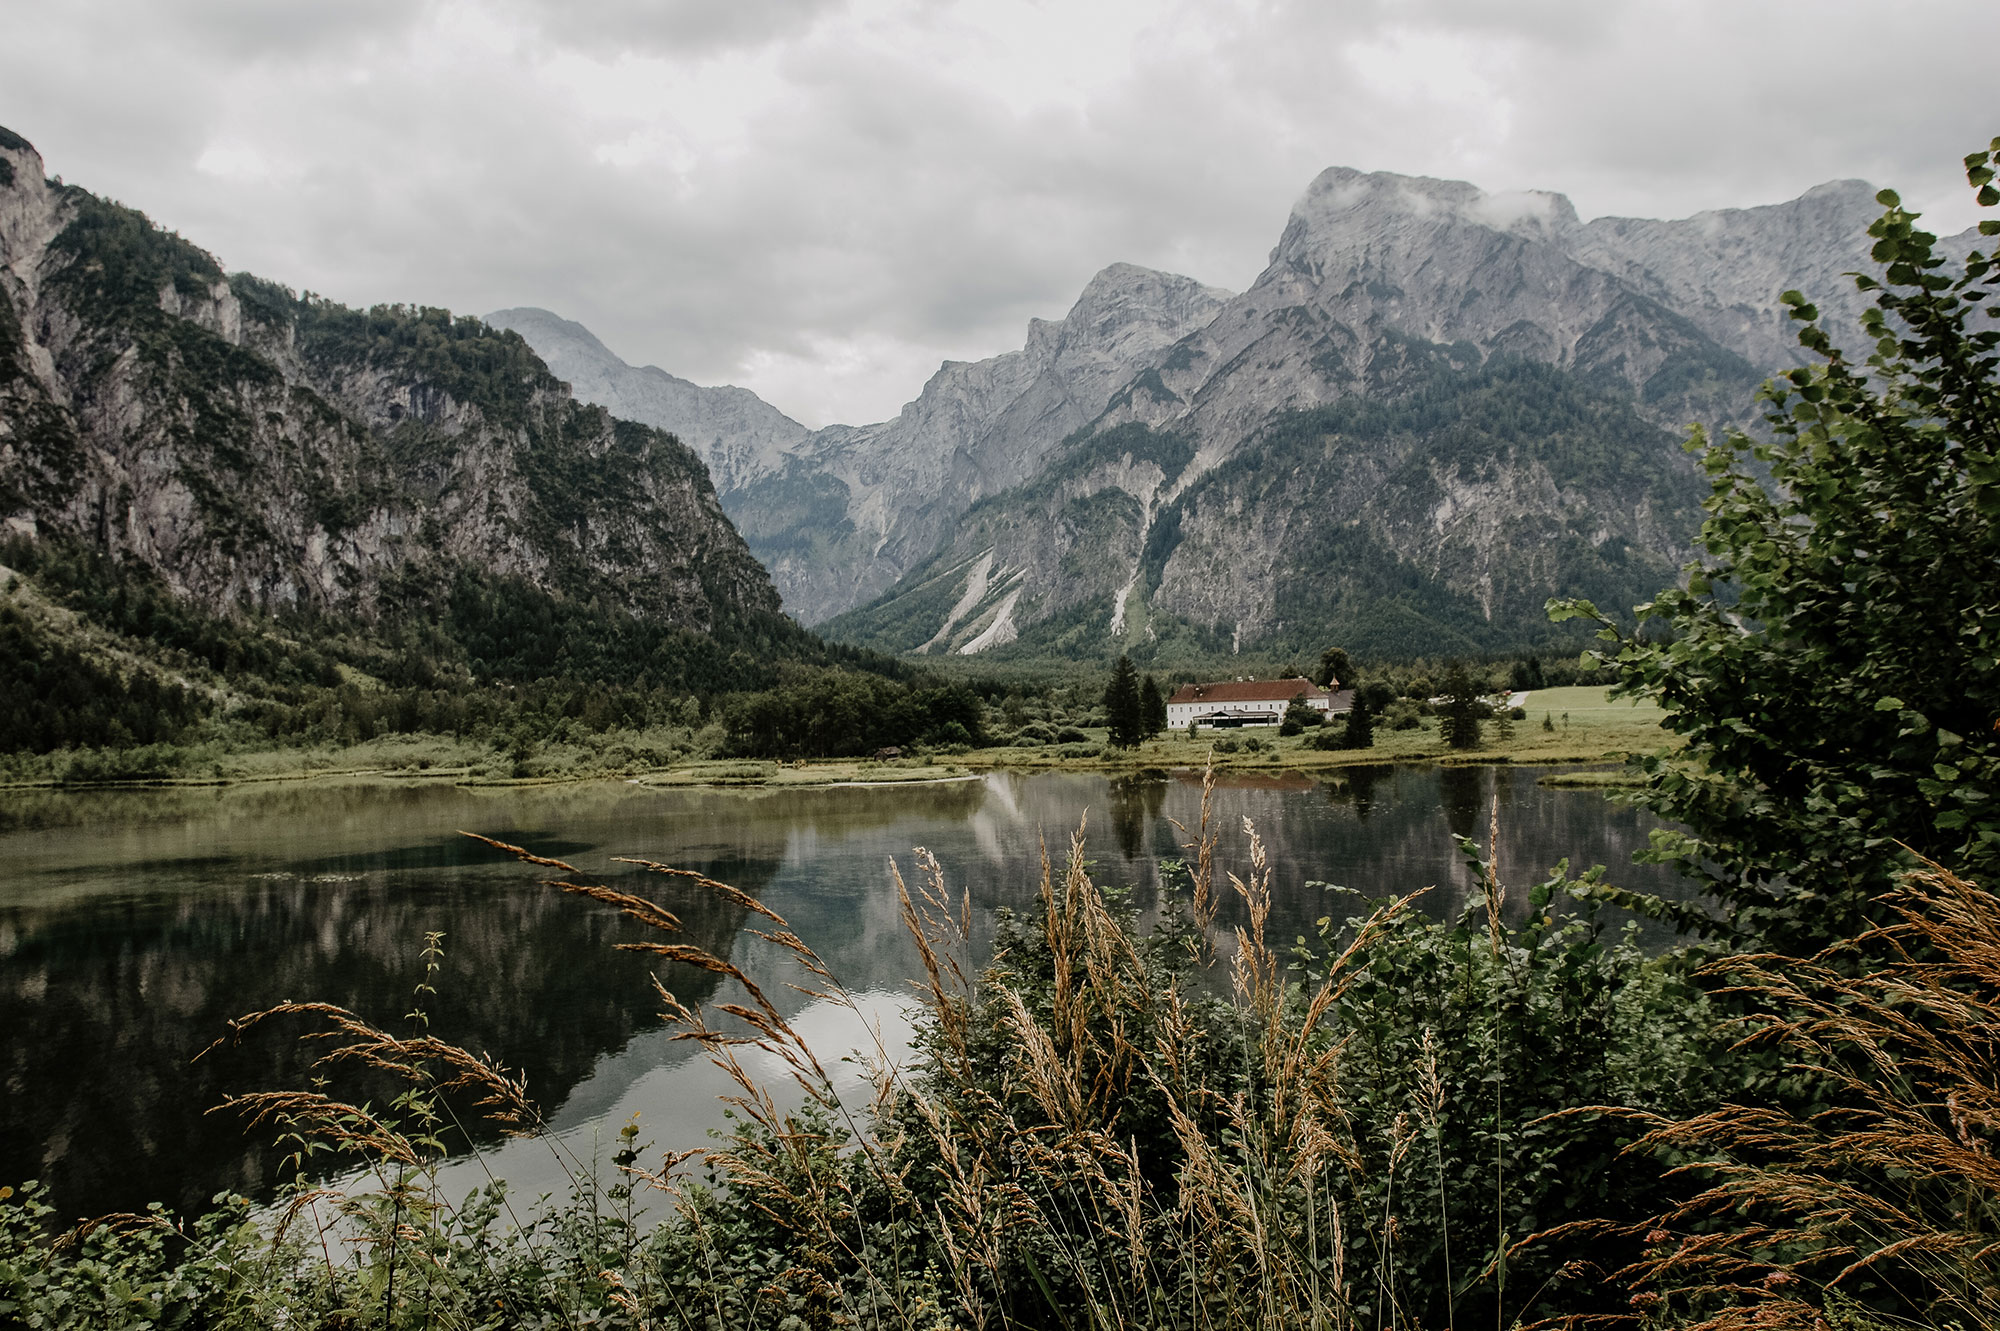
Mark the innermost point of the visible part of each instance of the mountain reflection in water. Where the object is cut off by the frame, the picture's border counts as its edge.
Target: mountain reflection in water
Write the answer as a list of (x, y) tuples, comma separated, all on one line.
[(135, 925)]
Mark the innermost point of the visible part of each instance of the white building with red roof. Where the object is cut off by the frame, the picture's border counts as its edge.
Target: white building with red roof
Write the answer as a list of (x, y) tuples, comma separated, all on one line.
[(1243, 702)]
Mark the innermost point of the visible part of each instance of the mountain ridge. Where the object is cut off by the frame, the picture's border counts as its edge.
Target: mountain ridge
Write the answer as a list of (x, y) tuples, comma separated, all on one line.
[(263, 452), (839, 513), (1375, 280)]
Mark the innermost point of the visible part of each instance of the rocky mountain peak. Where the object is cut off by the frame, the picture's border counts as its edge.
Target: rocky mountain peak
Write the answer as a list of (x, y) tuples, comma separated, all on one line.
[(579, 342), (20, 158), (1855, 198), (1344, 207), (27, 205), (1125, 312), (737, 434)]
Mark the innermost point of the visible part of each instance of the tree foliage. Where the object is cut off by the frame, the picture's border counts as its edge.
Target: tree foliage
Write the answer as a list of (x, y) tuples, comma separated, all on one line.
[(1121, 705), (1299, 715), (1152, 707), (819, 713), (1833, 661), (1459, 719), (1359, 733)]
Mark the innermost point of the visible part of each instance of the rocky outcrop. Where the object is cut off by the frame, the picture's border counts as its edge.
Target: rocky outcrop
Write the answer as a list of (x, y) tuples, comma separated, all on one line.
[(255, 449)]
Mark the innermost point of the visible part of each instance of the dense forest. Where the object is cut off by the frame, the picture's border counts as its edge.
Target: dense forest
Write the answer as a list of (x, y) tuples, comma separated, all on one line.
[(105, 657)]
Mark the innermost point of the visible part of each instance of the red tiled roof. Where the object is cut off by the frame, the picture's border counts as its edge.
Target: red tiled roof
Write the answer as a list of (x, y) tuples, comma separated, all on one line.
[(1249, 690)]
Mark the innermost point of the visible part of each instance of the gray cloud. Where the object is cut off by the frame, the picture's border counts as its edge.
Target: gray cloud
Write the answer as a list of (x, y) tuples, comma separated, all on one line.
[(824, 199), (671, 26)]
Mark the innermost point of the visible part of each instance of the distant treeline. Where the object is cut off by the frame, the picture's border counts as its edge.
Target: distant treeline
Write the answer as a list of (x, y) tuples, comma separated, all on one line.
[(469, 656), (836, 713), (126, 663)]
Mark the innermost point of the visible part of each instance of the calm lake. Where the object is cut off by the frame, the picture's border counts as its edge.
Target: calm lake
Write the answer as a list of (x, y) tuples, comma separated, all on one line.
[(135, 924)]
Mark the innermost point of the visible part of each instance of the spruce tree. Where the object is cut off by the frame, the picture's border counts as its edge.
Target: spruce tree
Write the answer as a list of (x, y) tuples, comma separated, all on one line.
[(1152, 708), (1360, 732), (1121, 705), (1459, 725)]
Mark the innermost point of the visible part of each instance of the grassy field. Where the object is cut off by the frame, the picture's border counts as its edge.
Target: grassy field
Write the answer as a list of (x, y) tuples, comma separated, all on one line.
[(1584, 727), (1581, 726)]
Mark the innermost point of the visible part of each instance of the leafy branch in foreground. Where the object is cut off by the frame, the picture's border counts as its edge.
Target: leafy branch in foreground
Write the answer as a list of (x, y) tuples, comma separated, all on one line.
[(1833, 662)]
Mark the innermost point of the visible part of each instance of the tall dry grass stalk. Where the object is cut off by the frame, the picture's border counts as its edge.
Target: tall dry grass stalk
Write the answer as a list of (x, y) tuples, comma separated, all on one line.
[(1088, 1136), (1084, 1124), (1889, 1196)]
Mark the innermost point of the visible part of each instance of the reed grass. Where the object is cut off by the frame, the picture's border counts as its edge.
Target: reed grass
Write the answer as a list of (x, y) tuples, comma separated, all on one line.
[(1878, 1204)]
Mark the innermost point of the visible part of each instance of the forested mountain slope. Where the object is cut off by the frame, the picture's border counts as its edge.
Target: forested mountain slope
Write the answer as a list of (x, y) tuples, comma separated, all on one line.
[(187, 455), (1433, 410), (258, 449)]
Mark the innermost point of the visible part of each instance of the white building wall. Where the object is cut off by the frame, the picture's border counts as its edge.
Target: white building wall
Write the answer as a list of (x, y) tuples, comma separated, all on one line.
[(1179, 714)]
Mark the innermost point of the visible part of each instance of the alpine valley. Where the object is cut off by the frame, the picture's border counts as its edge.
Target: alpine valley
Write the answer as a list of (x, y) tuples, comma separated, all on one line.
[(1434, 409)]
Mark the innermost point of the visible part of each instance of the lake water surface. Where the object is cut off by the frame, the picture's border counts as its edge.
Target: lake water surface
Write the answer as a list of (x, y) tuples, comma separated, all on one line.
[(135, 924)]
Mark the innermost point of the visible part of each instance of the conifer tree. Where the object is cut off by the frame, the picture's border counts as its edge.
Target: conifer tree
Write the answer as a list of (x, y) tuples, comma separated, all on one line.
[(1360, 731), (1121, 705), (1152, 707), (1459, 724)]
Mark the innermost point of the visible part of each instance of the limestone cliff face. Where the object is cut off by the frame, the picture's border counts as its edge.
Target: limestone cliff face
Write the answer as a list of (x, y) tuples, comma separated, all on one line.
[(256, 449), (1725, 269), (1327, 488), (1440, 522)]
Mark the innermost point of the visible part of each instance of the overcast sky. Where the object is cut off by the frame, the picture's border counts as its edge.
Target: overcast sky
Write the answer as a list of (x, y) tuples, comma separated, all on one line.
[(822, 199)]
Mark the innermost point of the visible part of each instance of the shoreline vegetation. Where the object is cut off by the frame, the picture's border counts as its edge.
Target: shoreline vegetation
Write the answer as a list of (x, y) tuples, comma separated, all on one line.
[(1582, 727)]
